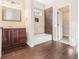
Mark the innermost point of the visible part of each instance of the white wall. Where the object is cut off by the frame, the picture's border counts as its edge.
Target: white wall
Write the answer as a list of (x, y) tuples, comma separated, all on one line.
[(66, 23), (0, 41), (29, 21), (73, 19), (39, 5), (0, 35), (13, 24)]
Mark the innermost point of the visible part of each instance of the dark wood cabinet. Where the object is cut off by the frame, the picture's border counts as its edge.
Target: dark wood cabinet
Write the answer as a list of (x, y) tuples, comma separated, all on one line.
[(13, 37)]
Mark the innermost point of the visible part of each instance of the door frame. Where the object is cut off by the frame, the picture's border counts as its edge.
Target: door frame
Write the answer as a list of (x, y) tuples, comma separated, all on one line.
[(69, 21)]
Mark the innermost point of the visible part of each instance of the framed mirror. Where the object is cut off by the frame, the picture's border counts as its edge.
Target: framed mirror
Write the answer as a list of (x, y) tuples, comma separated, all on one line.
[(11, 14)]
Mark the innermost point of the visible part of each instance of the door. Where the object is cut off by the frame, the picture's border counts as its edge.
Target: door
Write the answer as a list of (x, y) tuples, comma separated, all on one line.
[(48, 20), (59, 25)]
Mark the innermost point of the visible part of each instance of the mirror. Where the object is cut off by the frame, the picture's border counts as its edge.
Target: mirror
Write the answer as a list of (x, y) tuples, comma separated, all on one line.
[(11, 14)]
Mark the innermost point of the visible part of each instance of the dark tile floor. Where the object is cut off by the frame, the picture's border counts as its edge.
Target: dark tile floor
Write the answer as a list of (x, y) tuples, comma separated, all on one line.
[(48, 50)]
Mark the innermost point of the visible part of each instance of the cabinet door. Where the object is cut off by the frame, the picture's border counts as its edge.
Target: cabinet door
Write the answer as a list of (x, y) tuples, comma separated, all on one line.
[(7, 38), (10, 38), (22, 34), (15, 36)]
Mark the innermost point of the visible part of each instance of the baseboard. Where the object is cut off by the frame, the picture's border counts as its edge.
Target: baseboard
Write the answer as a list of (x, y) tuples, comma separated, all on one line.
[(40, 42), (37, 41), (30, 44)]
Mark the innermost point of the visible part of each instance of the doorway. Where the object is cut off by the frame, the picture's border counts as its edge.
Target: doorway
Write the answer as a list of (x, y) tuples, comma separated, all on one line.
[(63, 24), (42, 23)]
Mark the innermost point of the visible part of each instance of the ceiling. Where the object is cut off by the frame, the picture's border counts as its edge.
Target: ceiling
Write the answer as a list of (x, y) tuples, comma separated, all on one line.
[(46, 2)]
